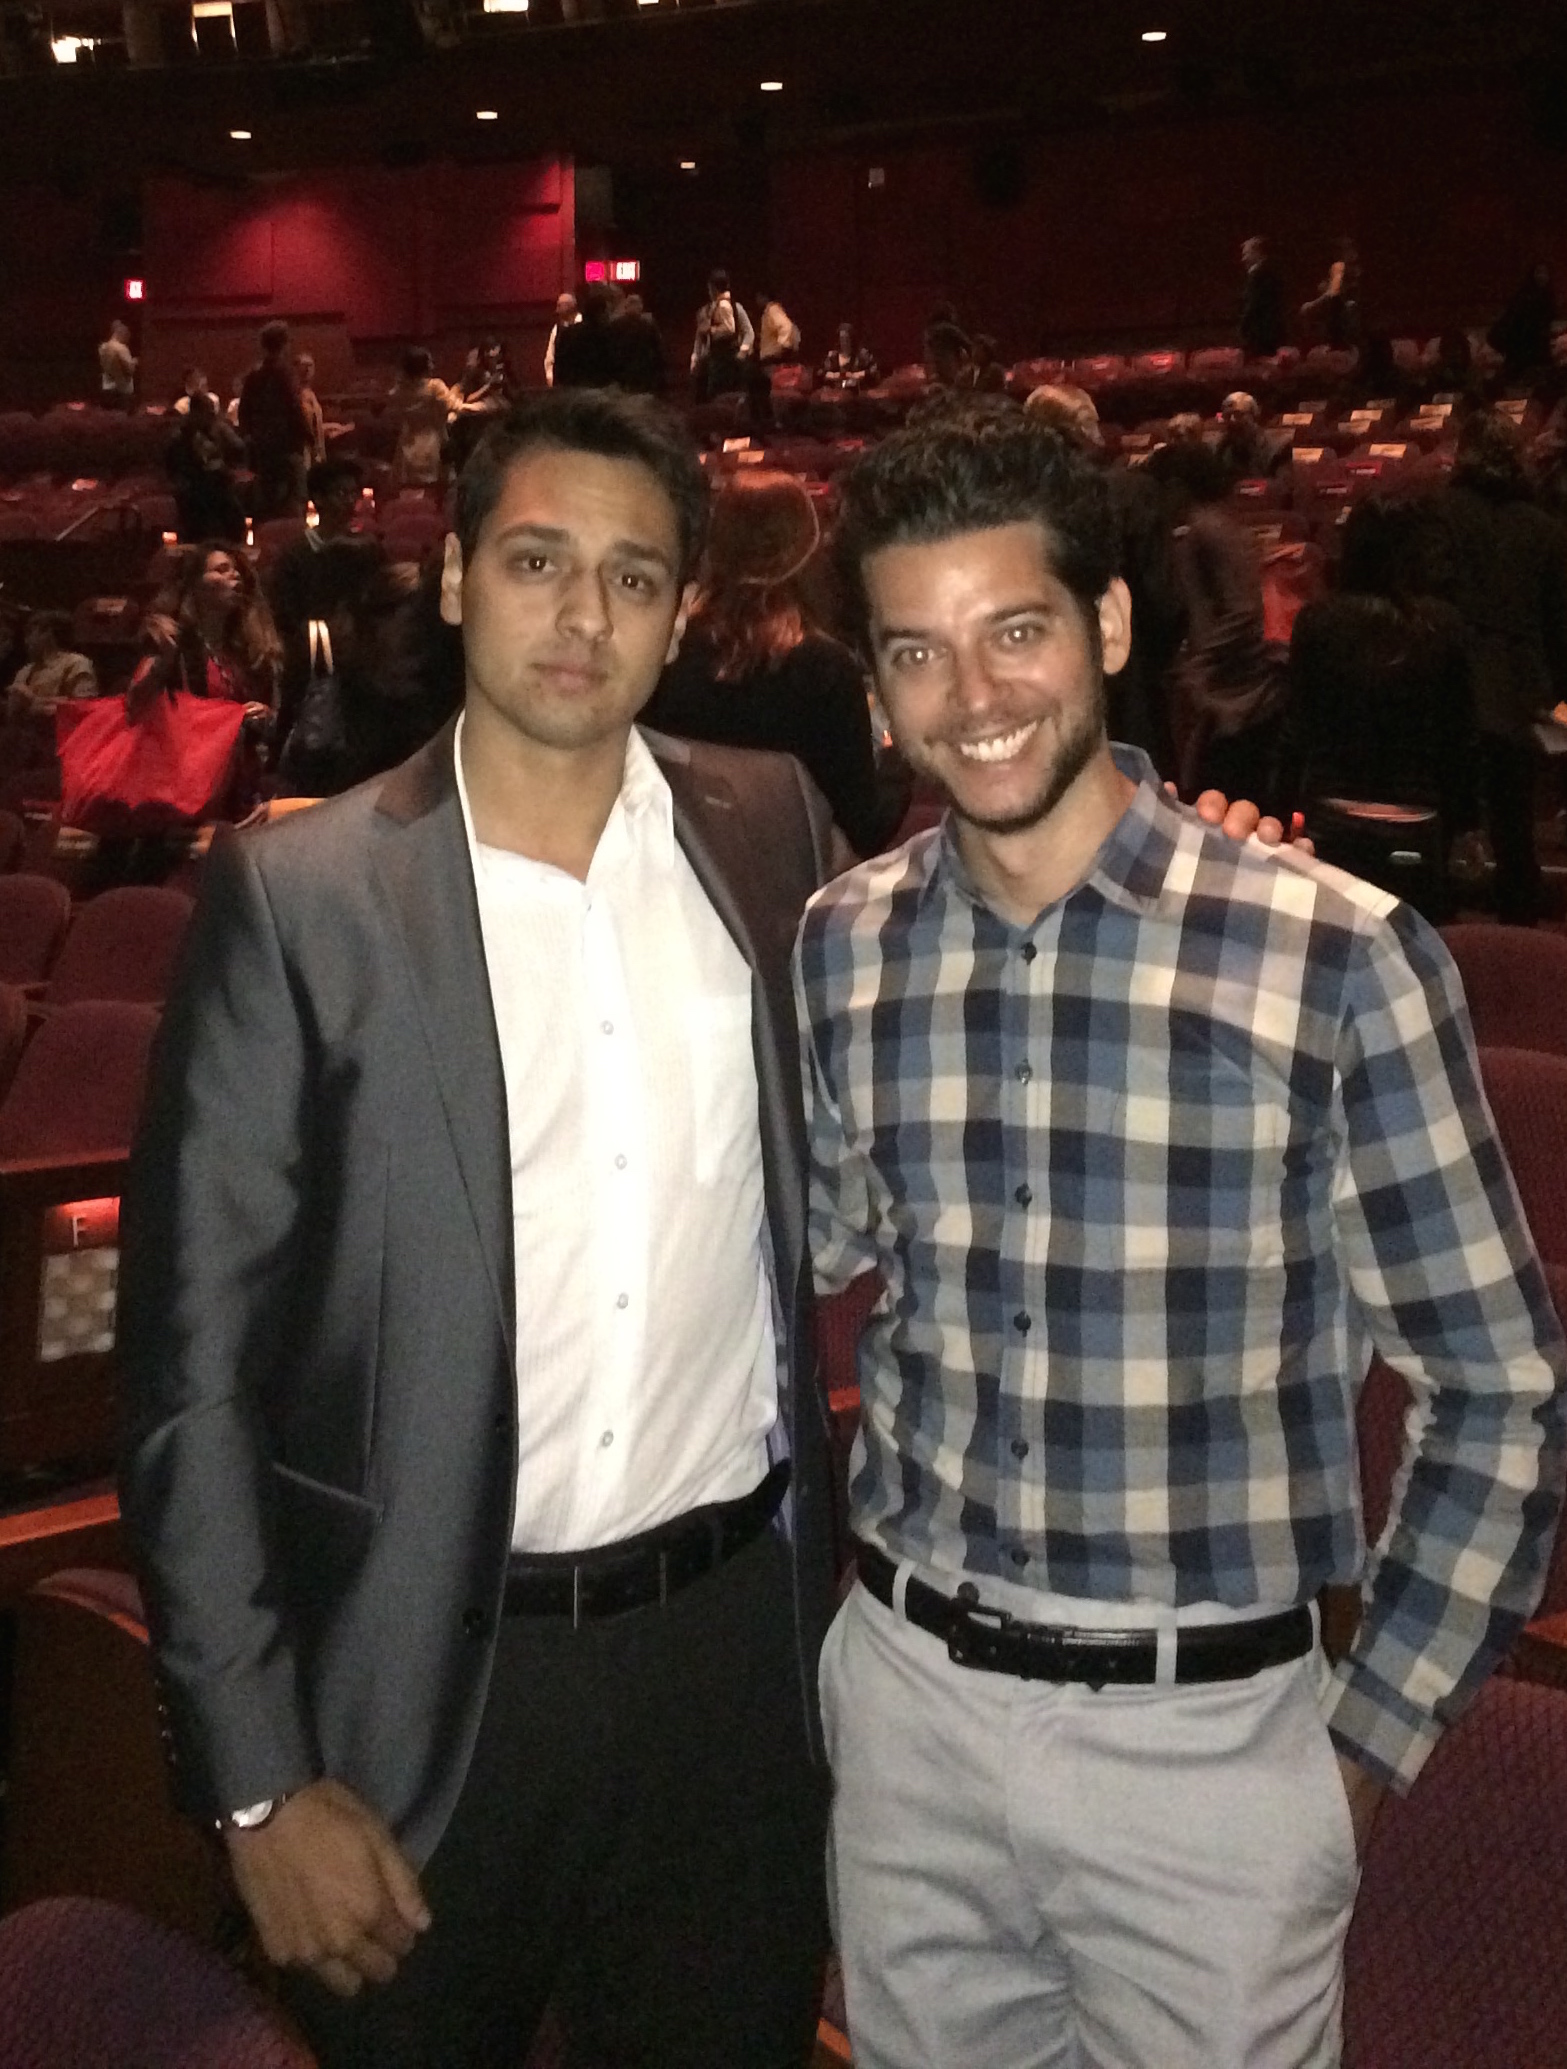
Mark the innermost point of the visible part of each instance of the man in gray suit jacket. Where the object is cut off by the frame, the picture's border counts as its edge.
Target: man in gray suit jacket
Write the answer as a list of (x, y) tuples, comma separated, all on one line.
[(475, 1459)]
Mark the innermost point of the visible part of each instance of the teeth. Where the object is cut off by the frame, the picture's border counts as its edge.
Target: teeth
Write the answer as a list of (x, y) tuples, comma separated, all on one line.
[(1001, 747)]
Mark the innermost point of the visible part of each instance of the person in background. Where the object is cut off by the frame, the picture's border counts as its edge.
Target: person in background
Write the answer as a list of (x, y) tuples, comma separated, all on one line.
[(195, 382), (1245, 449), (636, 347), (1509, 565), (484, 390), (273, 424), (53, 673), (566, 314), (849, 365), (777, 334), (200, 460), (1335, 309), (419, 406), (947, 355), (755, 670), (117, 369), (588, 353), (1523, 331), (1262, 327), (318, 575), (725, 340), (984, 374), (209, 631), (310, 403)]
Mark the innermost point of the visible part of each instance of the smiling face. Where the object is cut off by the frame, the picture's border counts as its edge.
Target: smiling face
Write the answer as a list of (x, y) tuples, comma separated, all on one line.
[(989, 673), (570, 603)]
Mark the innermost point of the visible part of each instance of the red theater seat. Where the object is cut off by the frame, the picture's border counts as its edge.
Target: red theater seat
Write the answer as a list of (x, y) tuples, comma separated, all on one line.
[(122, 945), (1528, 1096), (1515, 980), (13, 840), (13, 1033), (34, 914)]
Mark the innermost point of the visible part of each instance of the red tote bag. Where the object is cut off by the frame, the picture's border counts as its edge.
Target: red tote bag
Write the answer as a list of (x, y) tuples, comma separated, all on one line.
[(171, 768)]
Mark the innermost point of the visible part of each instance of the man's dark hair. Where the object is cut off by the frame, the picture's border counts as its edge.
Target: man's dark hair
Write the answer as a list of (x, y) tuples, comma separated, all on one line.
[(589, 420), (1490, 457), (718, 281), (326, 475), (274, 338), (973, 466)]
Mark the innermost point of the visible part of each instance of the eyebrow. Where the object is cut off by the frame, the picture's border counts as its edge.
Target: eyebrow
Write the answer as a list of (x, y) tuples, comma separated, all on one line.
[(556, 535)]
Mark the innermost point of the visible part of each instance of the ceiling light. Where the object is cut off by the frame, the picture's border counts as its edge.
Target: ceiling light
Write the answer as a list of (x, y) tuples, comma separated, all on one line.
[(486, 115), (505, 6), (67, 49), (688, 165), (772, 86), (1155, 35), (240, 136)]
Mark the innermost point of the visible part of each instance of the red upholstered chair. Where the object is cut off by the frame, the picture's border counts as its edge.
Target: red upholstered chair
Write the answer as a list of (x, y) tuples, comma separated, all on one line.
[(1454, 1958), (13, 1033), (85, 1984), (1515, 979), (13, 840), (273, 535), (1528, 1096), (122, 945), (65, 1132), (34, 914)]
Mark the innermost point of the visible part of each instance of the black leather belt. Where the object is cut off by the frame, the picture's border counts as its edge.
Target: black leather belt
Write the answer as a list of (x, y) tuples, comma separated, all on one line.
[(999, 1643), (645, 1569)]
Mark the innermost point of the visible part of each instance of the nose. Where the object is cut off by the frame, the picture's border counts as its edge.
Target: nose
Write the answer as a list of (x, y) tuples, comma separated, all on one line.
[(584, 606), (973, 688)]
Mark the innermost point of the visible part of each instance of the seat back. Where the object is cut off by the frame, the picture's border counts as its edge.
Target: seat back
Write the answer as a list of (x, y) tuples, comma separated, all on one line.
[(1515, 980), (13, 840), (13, 1033), (1454, 1952), (122, 945), (1528, 1096), (34, 914), (78, 1089), (84, 1983)]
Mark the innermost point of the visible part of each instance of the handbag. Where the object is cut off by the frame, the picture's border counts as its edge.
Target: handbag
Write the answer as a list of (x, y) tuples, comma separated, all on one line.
[(318, 736), (169, 769)]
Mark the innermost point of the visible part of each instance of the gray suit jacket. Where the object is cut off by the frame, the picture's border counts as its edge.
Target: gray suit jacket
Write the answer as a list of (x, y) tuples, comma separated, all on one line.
[(317, 1300)]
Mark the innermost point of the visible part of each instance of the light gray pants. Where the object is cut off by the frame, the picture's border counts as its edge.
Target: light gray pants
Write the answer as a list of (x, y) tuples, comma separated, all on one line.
[(1028, 1876)]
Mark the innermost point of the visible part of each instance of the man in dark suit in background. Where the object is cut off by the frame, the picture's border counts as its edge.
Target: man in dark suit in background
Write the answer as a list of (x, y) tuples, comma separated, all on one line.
[(474, 1459), (1262, 301)]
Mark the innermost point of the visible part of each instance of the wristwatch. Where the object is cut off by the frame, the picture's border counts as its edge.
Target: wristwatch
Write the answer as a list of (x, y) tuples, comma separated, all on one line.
[(253, 1816)]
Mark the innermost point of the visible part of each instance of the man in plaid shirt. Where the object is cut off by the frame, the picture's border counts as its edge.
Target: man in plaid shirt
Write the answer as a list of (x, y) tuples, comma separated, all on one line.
[(1153, 1138)]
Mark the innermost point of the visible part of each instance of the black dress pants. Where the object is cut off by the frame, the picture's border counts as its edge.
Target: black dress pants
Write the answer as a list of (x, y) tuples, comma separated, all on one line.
[(639, 1838)]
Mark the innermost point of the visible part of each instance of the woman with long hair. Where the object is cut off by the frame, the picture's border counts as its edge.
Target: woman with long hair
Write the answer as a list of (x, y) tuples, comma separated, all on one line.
[(756, 670), (209, 631)]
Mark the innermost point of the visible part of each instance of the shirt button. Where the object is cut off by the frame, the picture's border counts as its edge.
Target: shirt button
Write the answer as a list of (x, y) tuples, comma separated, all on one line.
[(1023, 1073), (1019, 1556), (1028, 951), (620, 1163), (623, 1300), (1020, 1322), (473, 1622), (607, 1026), (1024, 1196), (1019, 1447), (606, 1440)]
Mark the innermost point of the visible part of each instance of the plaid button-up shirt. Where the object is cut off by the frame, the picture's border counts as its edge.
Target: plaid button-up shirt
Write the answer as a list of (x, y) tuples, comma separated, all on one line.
[(1147, 1180)]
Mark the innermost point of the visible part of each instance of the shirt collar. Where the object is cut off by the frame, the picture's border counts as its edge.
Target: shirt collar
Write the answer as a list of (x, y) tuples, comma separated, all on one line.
[(645, 806), (1129, 870)]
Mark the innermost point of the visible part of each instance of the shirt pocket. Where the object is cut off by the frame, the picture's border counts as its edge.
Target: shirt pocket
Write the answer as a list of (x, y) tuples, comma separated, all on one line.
[(723, 1087)]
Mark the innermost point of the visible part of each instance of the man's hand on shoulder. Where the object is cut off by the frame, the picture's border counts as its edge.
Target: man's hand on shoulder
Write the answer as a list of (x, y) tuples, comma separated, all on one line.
[(1240, 820), (329, 1889)]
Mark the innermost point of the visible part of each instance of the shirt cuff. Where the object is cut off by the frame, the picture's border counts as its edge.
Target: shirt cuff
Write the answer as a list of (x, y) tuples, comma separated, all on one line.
[(1377, 1726)]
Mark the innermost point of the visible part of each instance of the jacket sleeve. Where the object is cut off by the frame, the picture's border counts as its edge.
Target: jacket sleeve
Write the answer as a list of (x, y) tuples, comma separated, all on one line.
[(209, 1228)]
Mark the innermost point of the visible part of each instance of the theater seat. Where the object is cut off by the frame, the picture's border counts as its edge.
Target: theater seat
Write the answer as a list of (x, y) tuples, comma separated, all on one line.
[(13, 840), (122, 945), (1454, 1952), (1515, 980), (13, 1033), (34, 914), (92, 1985), (1528, 1096)]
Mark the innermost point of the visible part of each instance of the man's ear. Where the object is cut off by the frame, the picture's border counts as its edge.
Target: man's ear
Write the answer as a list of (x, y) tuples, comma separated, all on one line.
[(1115, 626), (451, 582), (678, 630)]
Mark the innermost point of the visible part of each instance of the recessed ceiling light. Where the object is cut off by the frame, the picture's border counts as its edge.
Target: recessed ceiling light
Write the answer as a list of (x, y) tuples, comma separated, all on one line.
[(240, 136), (688, 165), (486, 115), (1155, 35), (772, 86), (505, 6)]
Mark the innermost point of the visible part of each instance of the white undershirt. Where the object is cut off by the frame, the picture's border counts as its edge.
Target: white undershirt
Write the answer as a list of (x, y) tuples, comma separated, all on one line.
[(646, 1355)]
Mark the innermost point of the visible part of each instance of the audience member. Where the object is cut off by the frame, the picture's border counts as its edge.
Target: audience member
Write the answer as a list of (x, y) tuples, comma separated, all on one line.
[(1070, 410), (849, 365), (1335, 309), (1509, 561), (310, 403), (1247, 451), (1229, 689), (53, 672), (209, 631), (755, 670), (587, 354), (566, 314), (778, 335), (636, 349), (200, 460), (1523, 331), (946, 355), (194, 382), (419, 406), (984, 374), (273, 424), (1262, 327), (485, 388), (117, 368), (725, 339), (317, 575)]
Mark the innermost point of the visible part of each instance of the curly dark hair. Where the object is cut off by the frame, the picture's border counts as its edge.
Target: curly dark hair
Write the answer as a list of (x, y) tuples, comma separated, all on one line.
[(589, 420), (972, 465)]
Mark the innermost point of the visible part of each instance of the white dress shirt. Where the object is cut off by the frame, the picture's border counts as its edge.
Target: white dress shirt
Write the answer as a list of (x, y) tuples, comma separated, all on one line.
[(646, 1352)]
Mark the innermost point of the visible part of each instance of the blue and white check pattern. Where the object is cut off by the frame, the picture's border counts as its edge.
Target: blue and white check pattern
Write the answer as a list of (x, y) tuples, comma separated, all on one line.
[(1147, 1180)]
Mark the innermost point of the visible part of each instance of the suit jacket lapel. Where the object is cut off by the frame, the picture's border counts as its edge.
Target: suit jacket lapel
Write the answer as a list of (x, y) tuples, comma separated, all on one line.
[(424, 865)]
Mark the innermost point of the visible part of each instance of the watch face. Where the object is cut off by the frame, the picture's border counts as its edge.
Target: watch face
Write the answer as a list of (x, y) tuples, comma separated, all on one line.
[(256, 1814)]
